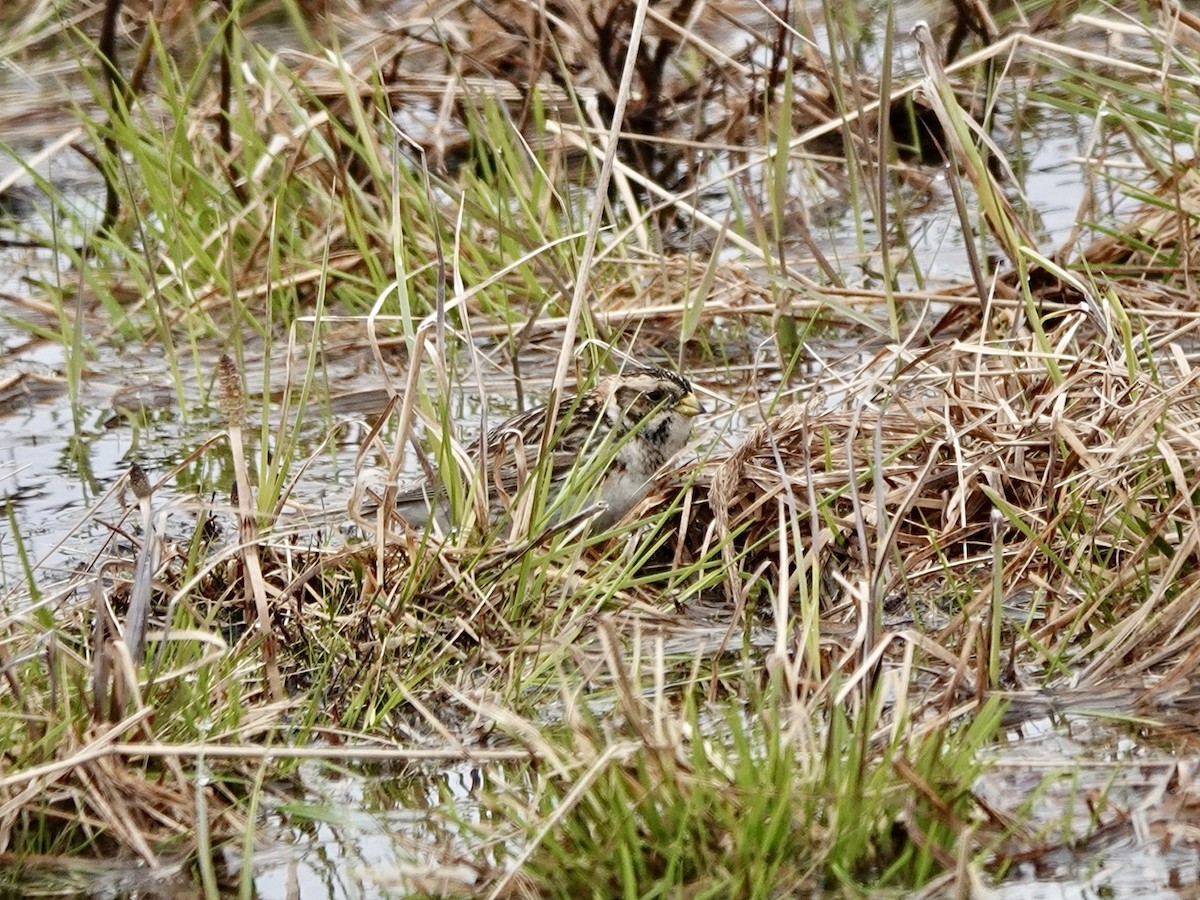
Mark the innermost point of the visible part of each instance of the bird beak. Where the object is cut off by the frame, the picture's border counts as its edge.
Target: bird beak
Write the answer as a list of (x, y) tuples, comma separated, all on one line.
[(689, 406)]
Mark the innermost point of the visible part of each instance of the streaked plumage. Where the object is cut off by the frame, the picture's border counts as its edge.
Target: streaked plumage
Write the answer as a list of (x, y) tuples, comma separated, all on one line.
[(608, 444)]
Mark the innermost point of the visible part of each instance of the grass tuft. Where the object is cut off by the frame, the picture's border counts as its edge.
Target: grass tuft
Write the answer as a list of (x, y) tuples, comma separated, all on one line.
[(919, 517)]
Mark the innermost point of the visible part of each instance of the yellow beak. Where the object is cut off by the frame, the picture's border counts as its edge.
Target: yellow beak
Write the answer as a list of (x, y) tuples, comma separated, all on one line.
[(689, 406)]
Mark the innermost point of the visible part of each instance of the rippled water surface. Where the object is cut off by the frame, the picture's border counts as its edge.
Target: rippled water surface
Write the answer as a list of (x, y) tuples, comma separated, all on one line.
[(358, 832)]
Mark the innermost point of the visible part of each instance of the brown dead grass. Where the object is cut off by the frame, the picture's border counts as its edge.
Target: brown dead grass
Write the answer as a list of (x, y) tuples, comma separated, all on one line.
[(905, 477), (896, 484)]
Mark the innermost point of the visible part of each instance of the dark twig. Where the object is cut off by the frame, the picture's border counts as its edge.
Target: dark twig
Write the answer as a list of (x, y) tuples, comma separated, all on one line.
[(117, 96)]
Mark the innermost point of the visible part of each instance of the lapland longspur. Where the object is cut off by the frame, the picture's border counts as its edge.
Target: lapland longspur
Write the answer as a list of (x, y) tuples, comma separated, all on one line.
[(608, 443)]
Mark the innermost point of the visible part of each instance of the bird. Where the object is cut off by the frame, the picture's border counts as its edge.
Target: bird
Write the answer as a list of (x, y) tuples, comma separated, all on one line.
[(607, 445)]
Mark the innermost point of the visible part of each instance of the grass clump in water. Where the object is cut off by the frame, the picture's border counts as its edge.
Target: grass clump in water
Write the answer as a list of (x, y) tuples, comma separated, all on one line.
[(788, 676)]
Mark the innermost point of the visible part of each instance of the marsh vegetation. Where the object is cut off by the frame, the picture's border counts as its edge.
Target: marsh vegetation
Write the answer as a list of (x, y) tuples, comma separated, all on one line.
[(916, 612)]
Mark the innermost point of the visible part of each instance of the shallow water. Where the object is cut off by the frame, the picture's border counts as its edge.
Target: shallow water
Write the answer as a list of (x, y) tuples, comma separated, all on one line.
[(56, 461), (362, 833), (1111, 809)]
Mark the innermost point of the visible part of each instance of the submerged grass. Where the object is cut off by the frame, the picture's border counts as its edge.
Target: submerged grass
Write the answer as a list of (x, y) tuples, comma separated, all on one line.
[(788, 674)]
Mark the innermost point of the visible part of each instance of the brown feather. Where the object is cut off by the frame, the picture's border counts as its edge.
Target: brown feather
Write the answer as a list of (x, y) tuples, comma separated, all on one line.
[(641, 415)]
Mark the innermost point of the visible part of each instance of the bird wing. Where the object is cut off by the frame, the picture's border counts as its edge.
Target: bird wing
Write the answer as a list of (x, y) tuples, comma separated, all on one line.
[(512, 450), (510, 453)]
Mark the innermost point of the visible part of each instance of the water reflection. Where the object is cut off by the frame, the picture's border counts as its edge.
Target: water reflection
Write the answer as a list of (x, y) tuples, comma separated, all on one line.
[(375, 834)]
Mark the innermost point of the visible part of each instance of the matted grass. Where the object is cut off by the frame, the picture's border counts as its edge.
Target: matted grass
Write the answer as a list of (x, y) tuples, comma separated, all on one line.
[(787, 672)]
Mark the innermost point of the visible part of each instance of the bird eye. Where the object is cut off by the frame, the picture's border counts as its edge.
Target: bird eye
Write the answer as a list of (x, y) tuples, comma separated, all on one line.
[(657, 396)]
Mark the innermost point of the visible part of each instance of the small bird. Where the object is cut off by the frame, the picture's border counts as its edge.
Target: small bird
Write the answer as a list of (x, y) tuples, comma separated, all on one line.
[(608, 443)]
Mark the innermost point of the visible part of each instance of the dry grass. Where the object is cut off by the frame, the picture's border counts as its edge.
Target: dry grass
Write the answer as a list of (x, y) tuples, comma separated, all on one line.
[(783, 676)]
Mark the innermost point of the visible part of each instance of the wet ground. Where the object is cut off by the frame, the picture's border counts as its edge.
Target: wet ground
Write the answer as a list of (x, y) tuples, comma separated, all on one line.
[(357, 832)]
